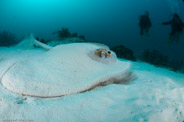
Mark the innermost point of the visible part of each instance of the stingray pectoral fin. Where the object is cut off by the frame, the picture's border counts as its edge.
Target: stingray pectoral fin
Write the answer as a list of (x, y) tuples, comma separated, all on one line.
[(47, 47)]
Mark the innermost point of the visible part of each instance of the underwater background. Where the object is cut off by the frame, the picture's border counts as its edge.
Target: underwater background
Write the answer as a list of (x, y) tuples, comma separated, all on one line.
[(112, 22)]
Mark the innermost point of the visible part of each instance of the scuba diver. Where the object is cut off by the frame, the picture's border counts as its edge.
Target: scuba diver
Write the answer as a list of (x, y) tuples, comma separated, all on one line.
[(145, 24), (177, 28)]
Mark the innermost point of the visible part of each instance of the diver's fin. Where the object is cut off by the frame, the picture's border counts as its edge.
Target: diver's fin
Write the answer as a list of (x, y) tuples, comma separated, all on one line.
[(149, 37)]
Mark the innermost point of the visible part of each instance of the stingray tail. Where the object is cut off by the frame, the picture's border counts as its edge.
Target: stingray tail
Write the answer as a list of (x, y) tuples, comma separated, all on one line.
[(38, 43), (30, 42)]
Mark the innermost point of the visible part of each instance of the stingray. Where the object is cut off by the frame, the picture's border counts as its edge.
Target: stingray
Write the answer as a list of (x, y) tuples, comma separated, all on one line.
[(65, 69)]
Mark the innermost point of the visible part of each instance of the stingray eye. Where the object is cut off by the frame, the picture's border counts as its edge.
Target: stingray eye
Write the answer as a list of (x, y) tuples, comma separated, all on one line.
[(103, 54)]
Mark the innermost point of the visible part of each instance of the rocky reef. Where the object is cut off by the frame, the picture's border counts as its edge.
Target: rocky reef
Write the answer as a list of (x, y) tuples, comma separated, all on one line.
[(64, 33), (154, 57), (7, 38), (64, 36), (158, 59)]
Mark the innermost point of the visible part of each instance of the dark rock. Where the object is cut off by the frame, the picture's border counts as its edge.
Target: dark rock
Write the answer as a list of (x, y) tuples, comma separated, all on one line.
[(42, 40), (177, 65), (123, 52), (155, 57), (158, 59)]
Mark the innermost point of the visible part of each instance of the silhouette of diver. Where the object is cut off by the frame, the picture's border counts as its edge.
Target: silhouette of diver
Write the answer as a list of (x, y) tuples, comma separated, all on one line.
[(145, 24), (177, 28)]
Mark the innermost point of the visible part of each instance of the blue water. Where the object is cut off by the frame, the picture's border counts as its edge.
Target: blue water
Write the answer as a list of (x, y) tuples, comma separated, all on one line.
[(112, 22)]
